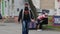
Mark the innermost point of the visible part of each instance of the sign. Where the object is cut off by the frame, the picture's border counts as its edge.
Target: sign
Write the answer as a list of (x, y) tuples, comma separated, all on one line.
[(57, 20)]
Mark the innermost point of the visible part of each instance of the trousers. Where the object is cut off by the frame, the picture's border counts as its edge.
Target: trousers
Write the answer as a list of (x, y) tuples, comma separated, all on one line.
[(25, 26)]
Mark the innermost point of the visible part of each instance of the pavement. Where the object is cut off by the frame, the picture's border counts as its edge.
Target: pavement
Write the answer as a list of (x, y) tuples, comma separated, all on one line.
[(13, 28), (10, 28)]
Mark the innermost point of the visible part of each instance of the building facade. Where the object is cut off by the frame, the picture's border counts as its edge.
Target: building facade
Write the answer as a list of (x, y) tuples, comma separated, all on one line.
[(45, 5), (11, 7), (48, 5), (52, 5)]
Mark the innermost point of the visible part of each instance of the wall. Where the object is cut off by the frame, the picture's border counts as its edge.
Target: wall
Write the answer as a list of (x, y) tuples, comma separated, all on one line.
[(47, 4), (18, 4), (57, 7), (2, 7), (9, 8)]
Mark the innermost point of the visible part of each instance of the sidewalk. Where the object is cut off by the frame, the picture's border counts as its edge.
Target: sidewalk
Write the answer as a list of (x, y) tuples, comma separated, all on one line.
[(13, 28), (10, 28)]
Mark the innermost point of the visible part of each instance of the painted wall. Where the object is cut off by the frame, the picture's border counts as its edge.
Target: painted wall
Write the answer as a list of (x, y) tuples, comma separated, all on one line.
[(47, 4), (2, 8), (57, 7), (6, 8), (18, 4), (9, 8)]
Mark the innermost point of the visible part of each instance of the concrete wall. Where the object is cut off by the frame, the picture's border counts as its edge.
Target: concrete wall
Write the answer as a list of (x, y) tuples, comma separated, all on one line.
[(18, 4), (6, 8), (44, 4), (10, 9), (57, 7), (47, 4)]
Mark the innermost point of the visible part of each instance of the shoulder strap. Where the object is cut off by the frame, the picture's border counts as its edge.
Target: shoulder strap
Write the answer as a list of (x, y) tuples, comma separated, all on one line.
[(22, 14), (29, 14)]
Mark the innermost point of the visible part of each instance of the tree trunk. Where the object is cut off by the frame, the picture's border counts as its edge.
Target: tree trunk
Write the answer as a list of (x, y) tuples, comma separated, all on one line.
[(33, 8)]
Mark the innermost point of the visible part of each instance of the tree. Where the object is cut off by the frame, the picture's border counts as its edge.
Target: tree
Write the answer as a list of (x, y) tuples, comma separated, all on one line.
[(33, 8)]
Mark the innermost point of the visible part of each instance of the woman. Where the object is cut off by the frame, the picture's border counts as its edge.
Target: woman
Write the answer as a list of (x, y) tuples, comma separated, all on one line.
[(41, 19)]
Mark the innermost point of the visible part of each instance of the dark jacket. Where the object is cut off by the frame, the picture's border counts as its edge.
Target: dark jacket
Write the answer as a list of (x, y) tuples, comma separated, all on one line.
[(0, 16), (29, 16)]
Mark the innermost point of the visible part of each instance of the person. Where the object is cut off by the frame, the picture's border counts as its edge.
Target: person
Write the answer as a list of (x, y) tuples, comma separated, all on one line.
[(41, 19), (26, 16), (0, 16), (45, 20)]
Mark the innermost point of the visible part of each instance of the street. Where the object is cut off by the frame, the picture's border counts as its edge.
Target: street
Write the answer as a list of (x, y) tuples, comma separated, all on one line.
[(13, 28)]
